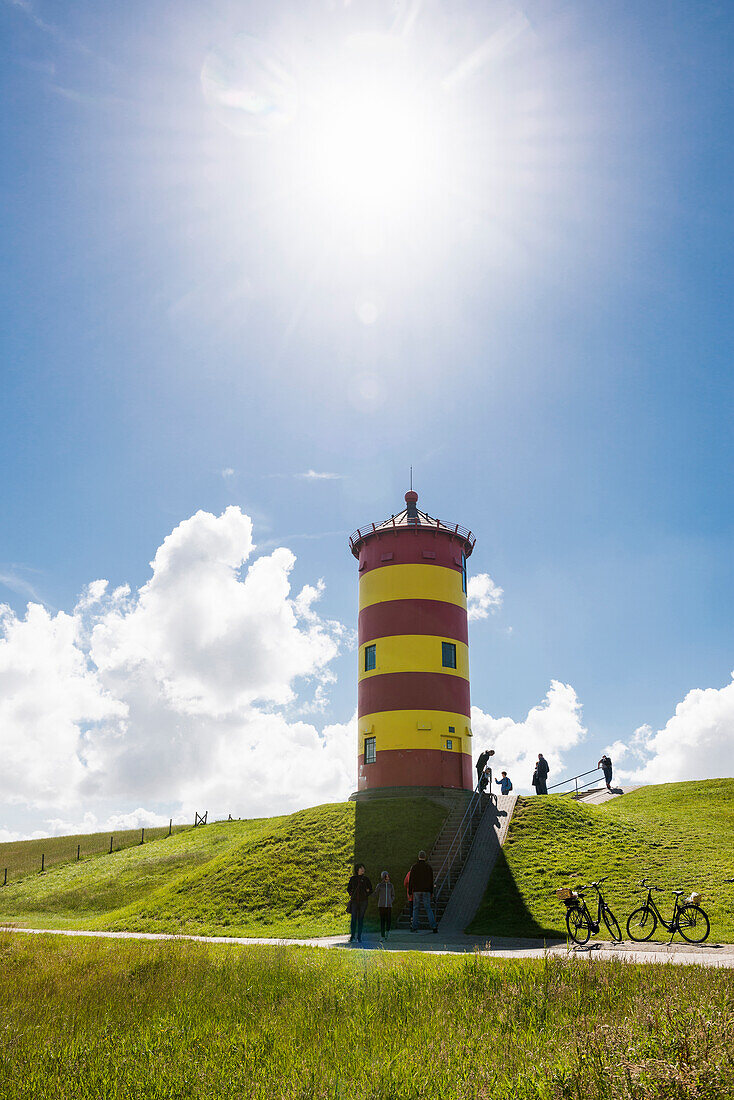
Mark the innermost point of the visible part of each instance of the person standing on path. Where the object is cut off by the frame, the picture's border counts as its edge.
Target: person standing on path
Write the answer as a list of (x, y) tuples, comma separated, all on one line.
[(359, 889), (385, 899), (420, 885), (606, 766), (540, 775)]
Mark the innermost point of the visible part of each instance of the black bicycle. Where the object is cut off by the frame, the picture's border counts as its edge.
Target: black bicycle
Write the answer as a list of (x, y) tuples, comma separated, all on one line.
[(688, 918), (579, 921)]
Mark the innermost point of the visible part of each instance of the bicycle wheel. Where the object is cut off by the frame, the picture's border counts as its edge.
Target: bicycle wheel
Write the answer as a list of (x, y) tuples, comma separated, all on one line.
[(611, 922), (693, 924), (578, 925), (641, 924)]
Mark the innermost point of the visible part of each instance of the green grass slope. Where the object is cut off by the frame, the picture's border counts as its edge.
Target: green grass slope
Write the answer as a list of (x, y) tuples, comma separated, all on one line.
[(679, 835), (23, 857), (283, 876)]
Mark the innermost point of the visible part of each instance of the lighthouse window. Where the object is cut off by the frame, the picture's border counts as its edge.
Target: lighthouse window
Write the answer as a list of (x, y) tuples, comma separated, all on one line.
[(449, 743), (448, 654), (370, 658), (370, 750)]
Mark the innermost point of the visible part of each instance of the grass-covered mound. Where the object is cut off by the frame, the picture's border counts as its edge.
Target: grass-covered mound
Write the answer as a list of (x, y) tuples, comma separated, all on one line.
[(23, 857), (84, 1020), (282, 876), (679, 835)]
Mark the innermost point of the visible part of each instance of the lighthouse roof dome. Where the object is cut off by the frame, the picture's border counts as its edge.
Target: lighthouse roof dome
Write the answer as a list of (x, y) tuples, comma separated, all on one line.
[(412, 517)]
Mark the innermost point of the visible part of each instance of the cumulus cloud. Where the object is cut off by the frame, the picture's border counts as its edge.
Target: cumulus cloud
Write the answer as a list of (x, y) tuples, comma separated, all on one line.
[(182, 693), (552, 727), (696, 743), (484, 597), (227, 472)]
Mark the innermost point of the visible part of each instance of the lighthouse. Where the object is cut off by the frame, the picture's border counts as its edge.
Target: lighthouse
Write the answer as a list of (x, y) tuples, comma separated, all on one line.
[(413, 712)]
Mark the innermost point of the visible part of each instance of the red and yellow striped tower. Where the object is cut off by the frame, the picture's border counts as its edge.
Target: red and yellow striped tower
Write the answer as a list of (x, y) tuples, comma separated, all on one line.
[(414, 716)]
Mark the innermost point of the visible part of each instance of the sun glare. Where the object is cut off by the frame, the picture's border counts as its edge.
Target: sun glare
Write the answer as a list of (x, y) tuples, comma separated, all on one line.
[(365, 133)]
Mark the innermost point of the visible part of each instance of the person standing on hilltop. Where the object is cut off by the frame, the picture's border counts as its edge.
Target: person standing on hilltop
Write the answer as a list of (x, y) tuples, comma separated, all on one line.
[(606, 766), (540, 775), (505, 783), (359, 889)]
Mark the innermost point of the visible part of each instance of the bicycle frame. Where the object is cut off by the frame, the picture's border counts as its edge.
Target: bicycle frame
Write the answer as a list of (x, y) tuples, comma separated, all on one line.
[(594, 924), (672, 924)]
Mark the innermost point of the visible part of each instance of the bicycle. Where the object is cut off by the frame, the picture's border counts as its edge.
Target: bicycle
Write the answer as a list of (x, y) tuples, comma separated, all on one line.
[(581, 924), (688, 918)]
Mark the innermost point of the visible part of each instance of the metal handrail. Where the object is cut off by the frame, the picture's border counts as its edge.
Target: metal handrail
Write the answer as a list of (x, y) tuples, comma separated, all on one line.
[(575, 779), (464, 831), (450, 528)]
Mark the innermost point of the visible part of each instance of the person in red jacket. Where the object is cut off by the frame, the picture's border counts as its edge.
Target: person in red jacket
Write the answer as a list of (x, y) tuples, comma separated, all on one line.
[(420, 885)]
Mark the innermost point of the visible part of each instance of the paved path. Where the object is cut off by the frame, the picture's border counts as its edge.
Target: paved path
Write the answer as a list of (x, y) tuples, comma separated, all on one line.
[(467, 895), (597, 796), (497, 948)]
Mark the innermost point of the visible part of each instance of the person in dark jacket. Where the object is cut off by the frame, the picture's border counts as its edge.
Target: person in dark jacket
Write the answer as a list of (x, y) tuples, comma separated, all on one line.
[(420, 885), (482, 763), (540, 775), (359, 889), (606, 766)]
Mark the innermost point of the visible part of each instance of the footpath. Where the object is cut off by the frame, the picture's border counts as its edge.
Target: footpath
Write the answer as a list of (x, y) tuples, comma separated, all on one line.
[(708, 954)]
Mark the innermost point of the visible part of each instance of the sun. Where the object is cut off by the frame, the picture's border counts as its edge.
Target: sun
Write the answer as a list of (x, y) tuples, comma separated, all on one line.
[(369, 138)]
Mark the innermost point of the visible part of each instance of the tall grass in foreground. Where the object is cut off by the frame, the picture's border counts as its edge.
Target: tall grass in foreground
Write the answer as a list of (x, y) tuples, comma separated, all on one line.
[(121, 1020)]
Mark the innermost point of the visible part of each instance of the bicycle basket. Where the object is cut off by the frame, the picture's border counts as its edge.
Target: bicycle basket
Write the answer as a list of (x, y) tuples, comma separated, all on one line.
[(568, 897)]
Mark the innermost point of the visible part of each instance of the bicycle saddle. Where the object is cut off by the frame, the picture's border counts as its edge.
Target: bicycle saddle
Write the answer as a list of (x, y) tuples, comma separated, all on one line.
[(679, 891)]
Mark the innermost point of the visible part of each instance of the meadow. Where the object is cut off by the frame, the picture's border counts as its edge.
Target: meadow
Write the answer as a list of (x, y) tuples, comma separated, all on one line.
[(85, 1020)]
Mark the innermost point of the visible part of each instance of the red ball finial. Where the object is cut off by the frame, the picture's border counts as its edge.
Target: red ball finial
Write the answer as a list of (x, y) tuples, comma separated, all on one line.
[(411, 497)]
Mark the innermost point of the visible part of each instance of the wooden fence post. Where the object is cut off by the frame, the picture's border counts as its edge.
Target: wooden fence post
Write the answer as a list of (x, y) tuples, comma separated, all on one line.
[(142, 836), (78, 850), (43, 860), (111, 839), (5, 883), (170, 826)]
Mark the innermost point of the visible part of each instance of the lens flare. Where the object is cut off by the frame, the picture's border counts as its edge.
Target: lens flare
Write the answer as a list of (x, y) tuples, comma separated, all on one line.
[(249, 87)]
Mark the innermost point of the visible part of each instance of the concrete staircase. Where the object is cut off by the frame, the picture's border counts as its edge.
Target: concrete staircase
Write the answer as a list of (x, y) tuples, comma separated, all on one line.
[(446, 842), (468, 892), (597, 795)]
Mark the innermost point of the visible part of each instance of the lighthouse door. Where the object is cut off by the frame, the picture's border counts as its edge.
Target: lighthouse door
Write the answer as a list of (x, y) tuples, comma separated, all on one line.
[(451, 772)]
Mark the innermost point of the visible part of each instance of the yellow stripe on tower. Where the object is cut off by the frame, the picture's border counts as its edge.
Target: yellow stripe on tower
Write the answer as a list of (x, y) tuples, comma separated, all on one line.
[(416, 729), (411, 582), (414, 653)]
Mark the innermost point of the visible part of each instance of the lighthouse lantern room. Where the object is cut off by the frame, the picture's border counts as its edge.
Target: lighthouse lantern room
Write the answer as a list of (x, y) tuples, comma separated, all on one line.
[(413, 710)]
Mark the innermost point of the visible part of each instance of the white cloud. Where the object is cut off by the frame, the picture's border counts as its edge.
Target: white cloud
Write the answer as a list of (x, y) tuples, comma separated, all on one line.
[(696, 743), (227, 472), (484, 597), (181, 694), (314, 475), (553, 727)]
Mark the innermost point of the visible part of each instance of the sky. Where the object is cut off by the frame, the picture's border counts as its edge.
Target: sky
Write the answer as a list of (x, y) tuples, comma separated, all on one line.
[(257, 261)]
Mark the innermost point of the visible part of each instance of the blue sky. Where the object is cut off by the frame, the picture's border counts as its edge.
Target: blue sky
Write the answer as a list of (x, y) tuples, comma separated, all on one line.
[(547, 335)]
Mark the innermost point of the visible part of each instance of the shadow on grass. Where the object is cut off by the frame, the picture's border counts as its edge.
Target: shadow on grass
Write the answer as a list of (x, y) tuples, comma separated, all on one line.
[(503, 911), (388, 834)]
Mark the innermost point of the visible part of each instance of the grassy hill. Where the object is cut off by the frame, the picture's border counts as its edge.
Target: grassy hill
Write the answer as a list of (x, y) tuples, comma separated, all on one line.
[(23, 857), (281, 876), (679, 835)]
